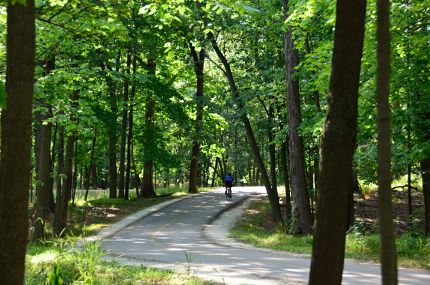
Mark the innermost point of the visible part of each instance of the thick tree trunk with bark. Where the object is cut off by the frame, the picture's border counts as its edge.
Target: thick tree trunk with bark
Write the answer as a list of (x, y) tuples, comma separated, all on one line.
[(199, 60), (273, 196), (301, 208), (338, 144), (383, 122), (16, 141)]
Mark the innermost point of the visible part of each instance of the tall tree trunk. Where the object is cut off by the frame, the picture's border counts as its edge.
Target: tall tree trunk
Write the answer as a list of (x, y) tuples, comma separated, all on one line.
[(199, 60), (51, 198), (68, 167), (338, 144), (284, 166), (43, 175), (214, 173), (112, 140), (273, 196), (301, 208), (90, 167), (130, 132), (75, 172), (383, 122), (122, 155), (425, 170), (148, 168), (16, 141), (272, 149), (43, 162), (58, 226)]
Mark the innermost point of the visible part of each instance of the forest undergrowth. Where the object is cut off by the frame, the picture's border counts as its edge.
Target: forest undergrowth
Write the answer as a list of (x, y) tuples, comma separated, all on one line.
[(362, 242)]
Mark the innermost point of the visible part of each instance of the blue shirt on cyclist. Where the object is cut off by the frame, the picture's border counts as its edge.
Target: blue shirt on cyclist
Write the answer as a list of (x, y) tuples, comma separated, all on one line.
[(229, 180)]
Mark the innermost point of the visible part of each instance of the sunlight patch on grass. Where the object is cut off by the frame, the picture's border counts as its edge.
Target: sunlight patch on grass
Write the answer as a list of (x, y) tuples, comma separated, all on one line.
[(47, 256), (413, 249)]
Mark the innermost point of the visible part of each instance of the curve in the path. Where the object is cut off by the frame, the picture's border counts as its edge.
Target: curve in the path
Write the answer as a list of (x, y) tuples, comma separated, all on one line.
[(173, 238)]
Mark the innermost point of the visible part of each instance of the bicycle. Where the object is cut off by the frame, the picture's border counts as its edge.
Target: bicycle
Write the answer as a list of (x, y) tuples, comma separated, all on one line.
[(228, 193)]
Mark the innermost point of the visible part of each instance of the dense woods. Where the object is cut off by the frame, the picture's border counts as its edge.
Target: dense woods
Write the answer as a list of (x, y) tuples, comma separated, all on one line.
[(133, 96)]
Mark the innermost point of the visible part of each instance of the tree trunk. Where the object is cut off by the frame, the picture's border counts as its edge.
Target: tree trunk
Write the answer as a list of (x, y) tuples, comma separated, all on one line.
[(338, 144), (121, 193), (130, 133), (58, 226), (148, 184), (383, 122), (68, 167), (425, 170), (112, 141), (272, 150), (284, 166), (199, 60), (301, 208), (16, 141), (43, 175), (273, 196), (214, 173), (75, 172), (51, 198), (93, 147)]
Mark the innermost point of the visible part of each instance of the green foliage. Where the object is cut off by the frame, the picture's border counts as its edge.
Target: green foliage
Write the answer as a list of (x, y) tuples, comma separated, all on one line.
[(413, 249), (59, 263)]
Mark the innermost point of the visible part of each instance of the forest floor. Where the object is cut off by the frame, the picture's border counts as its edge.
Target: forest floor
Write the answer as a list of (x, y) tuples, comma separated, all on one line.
[(413, 247)]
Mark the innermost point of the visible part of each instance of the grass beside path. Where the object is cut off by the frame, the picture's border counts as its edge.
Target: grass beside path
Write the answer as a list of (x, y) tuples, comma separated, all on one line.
[(58, 261), (257, 228)]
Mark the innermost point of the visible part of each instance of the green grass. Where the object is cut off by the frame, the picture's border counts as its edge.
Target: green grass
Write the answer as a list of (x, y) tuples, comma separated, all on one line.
[(413, 249), (57, 261), (60, 262)]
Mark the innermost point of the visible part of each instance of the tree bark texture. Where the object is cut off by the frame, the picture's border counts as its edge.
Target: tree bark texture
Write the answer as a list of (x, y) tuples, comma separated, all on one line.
[(199, 60), (16, 141), (301, 210), (383, 123), (273, 196), (338, 144)]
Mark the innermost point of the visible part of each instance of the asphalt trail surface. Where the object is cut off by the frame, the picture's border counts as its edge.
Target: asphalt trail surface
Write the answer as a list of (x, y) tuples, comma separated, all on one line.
[(189, 235)]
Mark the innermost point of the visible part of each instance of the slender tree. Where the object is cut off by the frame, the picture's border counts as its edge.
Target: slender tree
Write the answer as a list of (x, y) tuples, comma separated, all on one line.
[(16, 140), (301, 210), (198, 60), (273, 195), (338, 144), (383, 122)]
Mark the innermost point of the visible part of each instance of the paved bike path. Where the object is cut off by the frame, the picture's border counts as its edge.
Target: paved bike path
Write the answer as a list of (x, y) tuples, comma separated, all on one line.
[(181, 236)]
